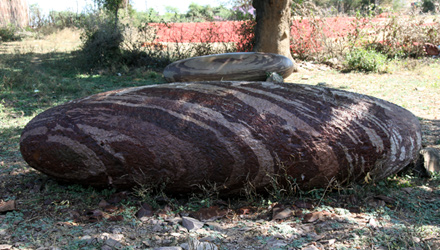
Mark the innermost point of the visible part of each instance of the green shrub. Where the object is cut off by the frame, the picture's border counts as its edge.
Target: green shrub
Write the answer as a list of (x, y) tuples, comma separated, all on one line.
[(360, 59), (9, 33), (428, 6), (101, 43)]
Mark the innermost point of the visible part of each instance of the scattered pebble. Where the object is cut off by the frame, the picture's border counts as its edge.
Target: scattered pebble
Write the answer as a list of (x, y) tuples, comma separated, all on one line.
[(194, 244), (191, 224), (372, 223)]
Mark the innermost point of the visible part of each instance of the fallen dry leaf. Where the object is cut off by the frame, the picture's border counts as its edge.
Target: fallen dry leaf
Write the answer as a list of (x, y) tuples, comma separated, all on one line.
[(376, 202), (385, 198), (303, 204), (146, 210), (103, 203), (66, 223), (6, 206), (110, 209), (166, 212), (95, 215), (317, 216), (282, 214), (209, 214), (47, 202), (116, 218), (246, 210), (117, 197), (355, 210)]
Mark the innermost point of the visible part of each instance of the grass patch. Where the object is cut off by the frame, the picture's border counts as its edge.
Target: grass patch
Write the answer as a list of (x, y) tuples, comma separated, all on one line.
[(365, 60)]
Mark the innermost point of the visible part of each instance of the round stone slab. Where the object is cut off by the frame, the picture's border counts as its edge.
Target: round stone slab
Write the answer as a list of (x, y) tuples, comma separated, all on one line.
[(243, 66), (228, 134)]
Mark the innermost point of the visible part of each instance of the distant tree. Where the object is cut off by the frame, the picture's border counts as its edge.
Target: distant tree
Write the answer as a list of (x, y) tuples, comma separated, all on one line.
[(222, 13), (247, 4), (198, 12), (172, 14), (171, 9), (428, 6), (113, 7), (36, 18), (149, 16), (243, 9)]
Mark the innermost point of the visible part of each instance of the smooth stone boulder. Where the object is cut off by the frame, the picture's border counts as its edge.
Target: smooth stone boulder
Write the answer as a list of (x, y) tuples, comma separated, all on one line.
[(227, 134), (431, 160), (241, 66)]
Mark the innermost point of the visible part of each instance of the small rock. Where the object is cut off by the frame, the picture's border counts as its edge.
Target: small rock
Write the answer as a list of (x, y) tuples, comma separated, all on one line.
[(206, 246), (157, 228), (372, 223), (278, 237), (177, 235), (5, 247), (147, 243), (89, 231), (185, 246), (431, 157), (408, 190), (168, 248), (191, 224), (207, 239), (87, 238), (146, 210), (105, 247), (194, 244), (275, 77), (277, 245), (333, 61), (214, 225), (174, 220), (181, 229), (113, 243), (103, 203), (116, 230), (311, 247), (425, 188)]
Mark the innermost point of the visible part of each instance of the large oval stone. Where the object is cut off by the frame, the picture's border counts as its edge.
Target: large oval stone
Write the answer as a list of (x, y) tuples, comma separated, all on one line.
[(241, 66), (225, 133)]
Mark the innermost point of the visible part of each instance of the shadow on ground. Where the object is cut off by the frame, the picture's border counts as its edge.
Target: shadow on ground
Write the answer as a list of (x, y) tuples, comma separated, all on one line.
[(34, 82)]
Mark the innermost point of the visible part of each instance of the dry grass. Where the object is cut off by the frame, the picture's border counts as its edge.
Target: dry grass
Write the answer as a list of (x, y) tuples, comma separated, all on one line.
[(65, 40), (412, 84)]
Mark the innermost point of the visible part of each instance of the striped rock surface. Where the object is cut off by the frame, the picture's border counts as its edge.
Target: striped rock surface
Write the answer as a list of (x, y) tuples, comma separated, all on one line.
[(223, 133), (241, 66)]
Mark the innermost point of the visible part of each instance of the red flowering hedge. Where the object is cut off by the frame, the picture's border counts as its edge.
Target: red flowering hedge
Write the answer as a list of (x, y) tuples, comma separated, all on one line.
[(303, 32), (206, 32), (307, 35)]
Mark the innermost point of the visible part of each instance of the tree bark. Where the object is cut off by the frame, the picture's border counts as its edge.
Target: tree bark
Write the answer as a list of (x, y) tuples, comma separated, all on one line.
[(272, 32)]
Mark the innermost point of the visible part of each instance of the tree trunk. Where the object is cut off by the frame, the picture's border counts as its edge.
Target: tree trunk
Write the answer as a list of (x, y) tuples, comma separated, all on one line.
[(272, 32)]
